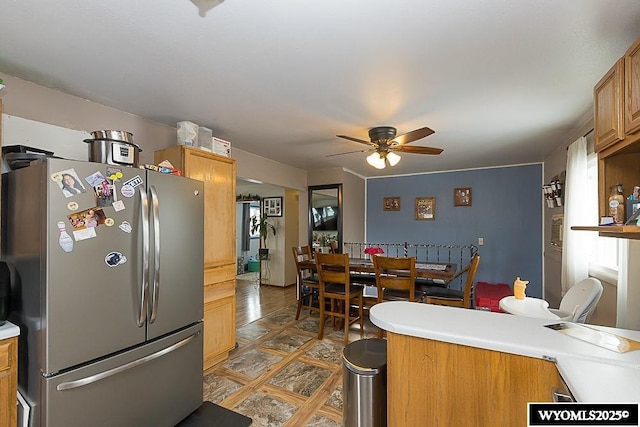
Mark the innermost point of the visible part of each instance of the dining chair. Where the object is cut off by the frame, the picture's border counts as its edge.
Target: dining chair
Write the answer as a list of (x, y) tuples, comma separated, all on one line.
[(308, 284), (455, 297), (579, 301), (395, 278), (336, 287)]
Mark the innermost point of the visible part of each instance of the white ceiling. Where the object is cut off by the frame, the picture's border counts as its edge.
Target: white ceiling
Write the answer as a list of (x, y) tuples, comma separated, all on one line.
[(500, 81)]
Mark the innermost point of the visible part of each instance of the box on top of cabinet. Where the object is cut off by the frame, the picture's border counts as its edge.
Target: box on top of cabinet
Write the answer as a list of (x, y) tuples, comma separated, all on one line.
[(221, 147)]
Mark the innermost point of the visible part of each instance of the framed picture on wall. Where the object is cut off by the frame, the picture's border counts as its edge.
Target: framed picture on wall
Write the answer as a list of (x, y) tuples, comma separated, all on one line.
[(272, 206), (392, 203), (426, 208), (462, 196)]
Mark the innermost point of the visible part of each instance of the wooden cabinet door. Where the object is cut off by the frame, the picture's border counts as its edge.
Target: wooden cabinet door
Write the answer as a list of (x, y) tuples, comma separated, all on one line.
[(8, 382), (219, 177), (433, 383), (632, 88), (219, 330), (609, 105)]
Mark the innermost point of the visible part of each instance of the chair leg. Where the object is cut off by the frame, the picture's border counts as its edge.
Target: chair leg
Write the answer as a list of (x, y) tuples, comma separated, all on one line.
[(360, 312), (346, 321), (299, 304), (321, 325)]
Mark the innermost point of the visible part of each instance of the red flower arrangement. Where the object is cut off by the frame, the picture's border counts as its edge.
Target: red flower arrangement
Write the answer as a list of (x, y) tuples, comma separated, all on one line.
[(373, 250)]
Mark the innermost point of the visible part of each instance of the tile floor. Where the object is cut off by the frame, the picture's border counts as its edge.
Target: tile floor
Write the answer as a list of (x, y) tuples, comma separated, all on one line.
[(281, 374)]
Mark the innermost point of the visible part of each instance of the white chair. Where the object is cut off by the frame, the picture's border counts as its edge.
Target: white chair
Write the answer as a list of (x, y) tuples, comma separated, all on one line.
[(579, 301)]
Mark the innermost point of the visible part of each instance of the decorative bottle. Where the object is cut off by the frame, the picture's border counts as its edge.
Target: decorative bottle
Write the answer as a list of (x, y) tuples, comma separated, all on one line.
[(616, 205)]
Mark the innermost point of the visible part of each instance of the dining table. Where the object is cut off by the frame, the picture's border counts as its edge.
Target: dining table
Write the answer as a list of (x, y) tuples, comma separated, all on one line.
[(440, 273)]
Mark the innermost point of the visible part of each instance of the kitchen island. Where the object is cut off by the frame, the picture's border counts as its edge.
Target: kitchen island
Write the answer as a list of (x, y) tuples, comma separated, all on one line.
[(451, 366)]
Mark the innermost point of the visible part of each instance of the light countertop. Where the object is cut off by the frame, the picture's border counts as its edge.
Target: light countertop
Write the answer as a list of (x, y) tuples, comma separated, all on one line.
[(520, 335), (9, 330)]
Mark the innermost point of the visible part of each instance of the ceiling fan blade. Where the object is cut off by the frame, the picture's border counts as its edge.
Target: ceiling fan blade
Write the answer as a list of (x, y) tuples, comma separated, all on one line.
[(348, 152), (355, 139), (418, 150), (414, 135)]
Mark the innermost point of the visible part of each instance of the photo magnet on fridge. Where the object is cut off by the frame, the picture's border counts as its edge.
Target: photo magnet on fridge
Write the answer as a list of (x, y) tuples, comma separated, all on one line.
[(68, 182), (95, 178), (105, 194)]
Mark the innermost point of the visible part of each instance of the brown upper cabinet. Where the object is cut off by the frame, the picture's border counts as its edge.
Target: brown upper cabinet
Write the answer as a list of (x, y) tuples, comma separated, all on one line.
[(617, 104), (632, 88), (608, 96), (617, 134)]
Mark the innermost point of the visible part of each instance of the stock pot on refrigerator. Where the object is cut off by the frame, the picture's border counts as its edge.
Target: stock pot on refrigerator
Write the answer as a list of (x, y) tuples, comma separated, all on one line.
[(114, 147)]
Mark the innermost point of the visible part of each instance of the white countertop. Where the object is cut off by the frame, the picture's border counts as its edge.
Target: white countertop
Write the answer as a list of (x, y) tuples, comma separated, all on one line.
[(599, 382), (9, 330), (520, 335)]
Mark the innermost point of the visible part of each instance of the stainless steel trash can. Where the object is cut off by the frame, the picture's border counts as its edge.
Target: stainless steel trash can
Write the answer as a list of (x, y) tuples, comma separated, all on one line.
[(364, 383)]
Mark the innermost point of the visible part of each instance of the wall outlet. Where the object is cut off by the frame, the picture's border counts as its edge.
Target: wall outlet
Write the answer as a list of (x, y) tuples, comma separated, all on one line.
[(480, 241)]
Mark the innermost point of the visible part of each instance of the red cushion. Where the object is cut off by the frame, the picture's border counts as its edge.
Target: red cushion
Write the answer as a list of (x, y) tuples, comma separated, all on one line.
[(488, 295)]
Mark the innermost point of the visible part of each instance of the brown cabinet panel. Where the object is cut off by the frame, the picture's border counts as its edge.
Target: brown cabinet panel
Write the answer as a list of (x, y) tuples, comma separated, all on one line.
[(609, 105), (8, 382), (218, 174), (219, 330), (442, 384), (632, 88), (219, 274)]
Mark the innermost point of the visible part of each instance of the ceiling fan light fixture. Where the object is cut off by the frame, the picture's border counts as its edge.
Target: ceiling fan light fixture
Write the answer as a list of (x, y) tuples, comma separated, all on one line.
[(393, 158), (376, 160)]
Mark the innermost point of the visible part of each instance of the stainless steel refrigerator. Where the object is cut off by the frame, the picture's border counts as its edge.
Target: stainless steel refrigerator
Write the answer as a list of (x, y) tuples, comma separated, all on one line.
[(107, 292)]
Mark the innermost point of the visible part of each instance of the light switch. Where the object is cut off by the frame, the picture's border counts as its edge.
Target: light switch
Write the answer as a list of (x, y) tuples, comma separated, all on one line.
[(480, 241)]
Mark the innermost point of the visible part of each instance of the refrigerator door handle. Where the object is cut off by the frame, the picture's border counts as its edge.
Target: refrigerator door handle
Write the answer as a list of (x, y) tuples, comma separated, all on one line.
[(114, 371), (144, 211), (156, 253)]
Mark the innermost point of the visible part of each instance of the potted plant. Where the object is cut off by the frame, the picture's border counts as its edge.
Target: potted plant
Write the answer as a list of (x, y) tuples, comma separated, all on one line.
[(261, 224)]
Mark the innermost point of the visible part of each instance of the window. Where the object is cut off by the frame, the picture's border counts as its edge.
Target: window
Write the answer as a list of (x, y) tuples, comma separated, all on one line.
[(603, 253)]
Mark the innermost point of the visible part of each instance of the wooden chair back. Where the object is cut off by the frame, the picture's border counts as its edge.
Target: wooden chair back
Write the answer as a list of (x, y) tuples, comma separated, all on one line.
[(302, 253), (395, 273), (468, 286), (333, 268)]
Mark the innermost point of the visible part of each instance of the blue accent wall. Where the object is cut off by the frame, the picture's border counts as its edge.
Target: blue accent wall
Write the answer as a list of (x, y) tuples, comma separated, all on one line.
[(506, 211)]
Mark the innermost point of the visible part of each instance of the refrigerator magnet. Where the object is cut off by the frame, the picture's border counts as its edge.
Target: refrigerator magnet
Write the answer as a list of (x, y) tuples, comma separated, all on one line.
[(65, 241), (134, 182), (89, 218), (72, 206), (127, 191), (108, 222), (118, 205), (105, 194), (95, 178), (114, 258), (126, 227), (114, 174), (84, 234), (68, 182)]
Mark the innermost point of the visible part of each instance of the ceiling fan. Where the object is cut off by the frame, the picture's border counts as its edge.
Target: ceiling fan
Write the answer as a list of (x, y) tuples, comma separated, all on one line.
[(384, 143)]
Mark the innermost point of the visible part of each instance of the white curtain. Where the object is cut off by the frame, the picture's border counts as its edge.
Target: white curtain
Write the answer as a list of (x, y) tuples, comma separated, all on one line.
[(575, 263)]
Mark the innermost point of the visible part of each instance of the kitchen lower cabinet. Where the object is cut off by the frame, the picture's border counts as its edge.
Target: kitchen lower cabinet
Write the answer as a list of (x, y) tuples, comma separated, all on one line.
[(219, 330), (8, 381), (457, 385)]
